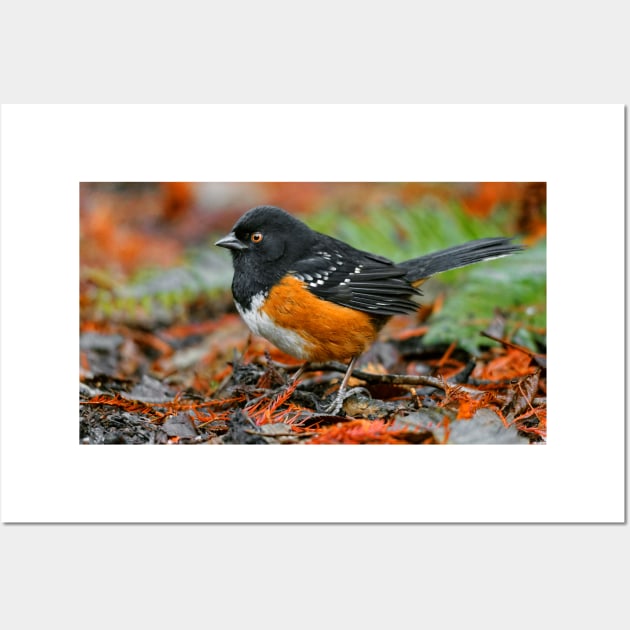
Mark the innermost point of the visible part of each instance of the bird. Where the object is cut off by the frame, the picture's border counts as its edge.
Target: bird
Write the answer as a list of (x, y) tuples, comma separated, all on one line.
[(318, 298)]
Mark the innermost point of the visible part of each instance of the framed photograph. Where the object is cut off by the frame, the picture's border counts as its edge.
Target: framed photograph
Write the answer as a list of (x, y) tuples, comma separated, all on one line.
[(311, 314)]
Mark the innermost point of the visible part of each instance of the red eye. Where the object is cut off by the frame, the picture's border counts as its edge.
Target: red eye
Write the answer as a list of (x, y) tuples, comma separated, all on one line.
[(256, 237)]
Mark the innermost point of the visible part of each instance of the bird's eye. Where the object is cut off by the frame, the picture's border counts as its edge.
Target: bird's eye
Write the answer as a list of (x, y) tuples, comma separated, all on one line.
[(256, 237)]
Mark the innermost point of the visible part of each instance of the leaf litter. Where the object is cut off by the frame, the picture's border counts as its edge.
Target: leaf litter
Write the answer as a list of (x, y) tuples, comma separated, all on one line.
[(250, 397)]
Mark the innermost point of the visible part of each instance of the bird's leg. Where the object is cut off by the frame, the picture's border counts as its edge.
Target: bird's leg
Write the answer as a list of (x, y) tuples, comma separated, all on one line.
[(342, 394), (299, 372)]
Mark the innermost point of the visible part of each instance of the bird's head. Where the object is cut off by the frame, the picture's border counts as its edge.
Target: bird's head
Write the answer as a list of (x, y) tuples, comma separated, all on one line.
[(265, 234)]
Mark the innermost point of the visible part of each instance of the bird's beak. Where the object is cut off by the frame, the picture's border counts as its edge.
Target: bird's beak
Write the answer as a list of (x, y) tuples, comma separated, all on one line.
[(231, 242)]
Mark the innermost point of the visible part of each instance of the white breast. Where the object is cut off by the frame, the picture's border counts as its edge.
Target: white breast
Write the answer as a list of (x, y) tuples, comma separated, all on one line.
[(260, 324)]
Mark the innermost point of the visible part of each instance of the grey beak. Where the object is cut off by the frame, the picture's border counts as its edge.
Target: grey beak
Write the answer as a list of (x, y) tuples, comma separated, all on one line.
[(231, 242)]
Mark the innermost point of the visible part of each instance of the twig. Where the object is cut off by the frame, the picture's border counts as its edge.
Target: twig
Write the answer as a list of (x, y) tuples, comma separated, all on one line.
[(515, 346), (369, 377), (412, 379), (408, 379)]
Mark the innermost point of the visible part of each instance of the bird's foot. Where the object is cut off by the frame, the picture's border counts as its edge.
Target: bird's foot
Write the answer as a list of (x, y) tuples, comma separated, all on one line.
[(342, 395)]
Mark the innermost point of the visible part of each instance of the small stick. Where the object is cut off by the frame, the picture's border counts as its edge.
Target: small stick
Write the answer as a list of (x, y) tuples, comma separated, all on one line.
[(368, 377), (509, 344), (405, 379)]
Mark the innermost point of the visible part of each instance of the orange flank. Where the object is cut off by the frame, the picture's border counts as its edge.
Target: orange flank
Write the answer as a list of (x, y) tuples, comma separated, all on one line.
[(331, 332)]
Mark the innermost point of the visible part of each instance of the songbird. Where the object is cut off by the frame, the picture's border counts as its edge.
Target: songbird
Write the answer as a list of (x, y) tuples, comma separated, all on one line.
[(320, 299)]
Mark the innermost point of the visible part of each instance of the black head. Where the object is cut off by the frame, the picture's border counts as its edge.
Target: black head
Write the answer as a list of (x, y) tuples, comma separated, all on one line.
[(266, 234), (265, 242)]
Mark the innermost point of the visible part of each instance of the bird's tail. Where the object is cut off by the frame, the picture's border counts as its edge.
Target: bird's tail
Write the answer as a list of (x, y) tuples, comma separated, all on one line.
[(424, 267)]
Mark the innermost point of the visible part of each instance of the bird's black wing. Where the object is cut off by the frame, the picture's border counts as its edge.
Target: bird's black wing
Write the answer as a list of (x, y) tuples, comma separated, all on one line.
[(356, 279)]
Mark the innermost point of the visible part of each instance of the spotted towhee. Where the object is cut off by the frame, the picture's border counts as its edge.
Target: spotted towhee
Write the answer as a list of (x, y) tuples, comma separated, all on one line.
[(318, 298)]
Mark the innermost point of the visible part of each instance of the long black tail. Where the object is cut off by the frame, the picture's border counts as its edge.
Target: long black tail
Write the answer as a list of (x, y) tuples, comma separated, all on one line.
[(458, 256)]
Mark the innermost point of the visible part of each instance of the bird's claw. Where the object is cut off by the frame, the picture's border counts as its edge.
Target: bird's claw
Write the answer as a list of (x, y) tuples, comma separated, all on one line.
[(335, 407)]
